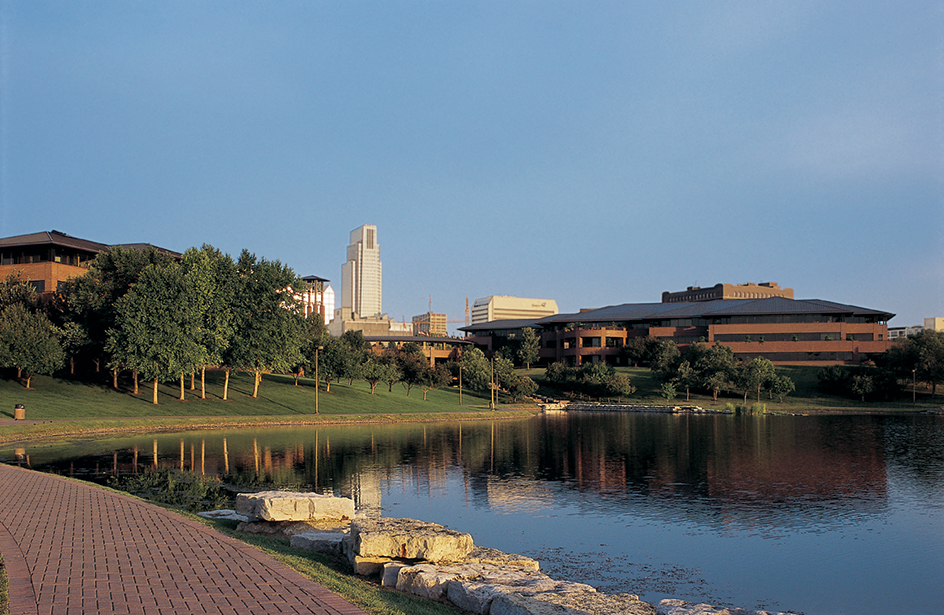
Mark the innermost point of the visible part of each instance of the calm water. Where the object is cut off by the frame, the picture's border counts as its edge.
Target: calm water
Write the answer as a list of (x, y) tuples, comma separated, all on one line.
[(822, 515)]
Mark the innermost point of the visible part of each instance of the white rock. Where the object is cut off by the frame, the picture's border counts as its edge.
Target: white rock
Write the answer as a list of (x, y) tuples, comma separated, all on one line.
[(222, 514), (323, 542), (391, 574), (408, 539), (672, 606), (291, 506), (569, 603)]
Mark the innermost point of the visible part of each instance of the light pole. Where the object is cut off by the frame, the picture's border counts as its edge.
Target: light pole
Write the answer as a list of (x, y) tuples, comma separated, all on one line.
[(317, 379), (460, 385)]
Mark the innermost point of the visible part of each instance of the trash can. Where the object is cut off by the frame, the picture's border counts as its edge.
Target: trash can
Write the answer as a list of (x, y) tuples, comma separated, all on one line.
[(19, 412)]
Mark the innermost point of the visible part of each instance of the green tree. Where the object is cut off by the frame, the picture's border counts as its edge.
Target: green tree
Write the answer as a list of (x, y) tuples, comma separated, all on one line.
[(213, 278), (715, 369), (476, 370), (862, 384), (91, 300), (782, 386), (268, 324), (665, 358), (434, 378), (927, 348), (668, 391), (374, 371), (157, 326), (620, 385), (686, 376), (528, 347), (753, 375), (29, 342), (520, 386)]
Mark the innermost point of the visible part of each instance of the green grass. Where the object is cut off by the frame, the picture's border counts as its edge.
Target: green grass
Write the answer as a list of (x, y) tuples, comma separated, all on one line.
[(806, 399), (4, 589), (330, 573), (73, 407)]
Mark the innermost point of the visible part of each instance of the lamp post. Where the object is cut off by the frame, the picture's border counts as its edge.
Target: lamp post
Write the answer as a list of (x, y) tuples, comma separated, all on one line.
[(460, 385), (317, 378), (491, 403)]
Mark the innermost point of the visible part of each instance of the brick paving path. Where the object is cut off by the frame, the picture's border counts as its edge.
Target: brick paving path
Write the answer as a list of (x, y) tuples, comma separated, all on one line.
[(74, 548)]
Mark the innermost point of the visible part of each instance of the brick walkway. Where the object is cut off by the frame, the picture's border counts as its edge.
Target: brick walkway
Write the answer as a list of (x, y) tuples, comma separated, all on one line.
[(74, 548)]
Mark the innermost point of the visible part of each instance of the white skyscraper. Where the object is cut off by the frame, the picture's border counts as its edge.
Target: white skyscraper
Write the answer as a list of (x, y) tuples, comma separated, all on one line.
[(361, 274)]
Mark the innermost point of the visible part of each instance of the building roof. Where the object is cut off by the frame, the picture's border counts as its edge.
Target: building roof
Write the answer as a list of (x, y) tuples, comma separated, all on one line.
[(419, 339), (314, 278), (56, 238), (712, 309), (504, 325)]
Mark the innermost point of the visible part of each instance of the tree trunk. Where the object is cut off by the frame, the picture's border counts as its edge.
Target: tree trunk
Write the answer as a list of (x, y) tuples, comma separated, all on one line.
[(327, 385), (97, 365), (182, 398), (686, 394), (193, 386), (226, 384), (256, 377), (28, 378), (154, 395), (203, 388), (134, 375), (114, 378), (72, 366)]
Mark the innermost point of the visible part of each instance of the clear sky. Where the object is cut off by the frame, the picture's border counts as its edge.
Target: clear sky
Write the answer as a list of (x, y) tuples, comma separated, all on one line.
[(594, 153)]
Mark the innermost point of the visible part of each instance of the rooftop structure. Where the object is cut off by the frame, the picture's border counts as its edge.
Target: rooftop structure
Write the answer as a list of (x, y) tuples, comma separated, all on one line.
[(499, 307), (764, 290)]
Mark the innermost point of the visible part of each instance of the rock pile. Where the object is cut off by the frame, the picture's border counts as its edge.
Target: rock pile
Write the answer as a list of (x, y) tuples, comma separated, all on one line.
[(432, 561)]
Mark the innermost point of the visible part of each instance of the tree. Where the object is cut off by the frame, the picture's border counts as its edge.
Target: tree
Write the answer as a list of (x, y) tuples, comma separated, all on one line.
[(29, 342), (91, 300), (374, 371), (411, 364), (157, 326), (355, 351), (520, 386), (782, 386), (664, 359), (476, 371), (212, 275), (687, 377), (862, 384), (528, 347), (753, 375), (927, 347), (668, 391), (434, 378), (268, 325), (715, 369), (620, 385)]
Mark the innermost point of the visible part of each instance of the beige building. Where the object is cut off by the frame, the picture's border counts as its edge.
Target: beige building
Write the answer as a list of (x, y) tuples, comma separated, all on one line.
[(430, 323), (499, 307), (361, 275), (764, 290), (934, 324)]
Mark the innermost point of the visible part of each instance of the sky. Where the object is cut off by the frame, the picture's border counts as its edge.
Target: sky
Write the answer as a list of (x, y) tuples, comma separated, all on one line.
[(594, 153)]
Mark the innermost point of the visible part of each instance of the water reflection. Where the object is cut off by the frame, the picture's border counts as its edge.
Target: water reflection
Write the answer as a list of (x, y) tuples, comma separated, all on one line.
[(755, 499)]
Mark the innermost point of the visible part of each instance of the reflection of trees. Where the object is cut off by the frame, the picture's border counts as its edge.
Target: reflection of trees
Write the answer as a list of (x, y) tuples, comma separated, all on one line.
[(670, 465)]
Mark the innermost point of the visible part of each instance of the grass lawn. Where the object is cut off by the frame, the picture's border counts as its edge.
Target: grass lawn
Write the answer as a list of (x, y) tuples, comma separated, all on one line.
[(806, 399)]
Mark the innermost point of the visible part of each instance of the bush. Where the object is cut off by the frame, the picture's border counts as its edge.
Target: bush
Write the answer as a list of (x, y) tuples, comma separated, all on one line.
[(175, 488)]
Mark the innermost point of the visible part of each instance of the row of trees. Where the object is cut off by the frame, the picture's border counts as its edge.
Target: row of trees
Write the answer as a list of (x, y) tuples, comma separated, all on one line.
[(154, 317)]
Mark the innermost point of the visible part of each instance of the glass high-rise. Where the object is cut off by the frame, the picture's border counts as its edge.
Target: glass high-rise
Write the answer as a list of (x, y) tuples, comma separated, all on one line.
[(361, 274)]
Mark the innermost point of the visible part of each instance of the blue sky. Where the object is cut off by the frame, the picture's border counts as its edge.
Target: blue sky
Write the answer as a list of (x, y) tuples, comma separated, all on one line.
[(592, 153)]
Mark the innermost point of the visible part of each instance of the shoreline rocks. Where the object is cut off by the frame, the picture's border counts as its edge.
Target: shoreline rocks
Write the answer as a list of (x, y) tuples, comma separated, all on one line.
[(435, 562)]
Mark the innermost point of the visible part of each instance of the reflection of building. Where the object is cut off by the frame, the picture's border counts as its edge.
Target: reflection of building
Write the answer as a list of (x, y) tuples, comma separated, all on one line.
[(499, 307), (429, 324), (49, 257), (361, 288)]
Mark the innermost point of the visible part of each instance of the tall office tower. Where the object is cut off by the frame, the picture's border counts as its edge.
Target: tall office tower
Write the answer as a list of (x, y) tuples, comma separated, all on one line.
[(361, 274)]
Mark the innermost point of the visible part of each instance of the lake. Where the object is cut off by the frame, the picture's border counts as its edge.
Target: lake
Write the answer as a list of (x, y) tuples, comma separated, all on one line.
[(814, 514)]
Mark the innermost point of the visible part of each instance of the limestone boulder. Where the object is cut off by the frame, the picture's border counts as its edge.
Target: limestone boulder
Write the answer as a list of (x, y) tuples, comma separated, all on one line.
[(408, 539), (486, 555), (672, 606), (318, 540), (569, 603), (292, 506)]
